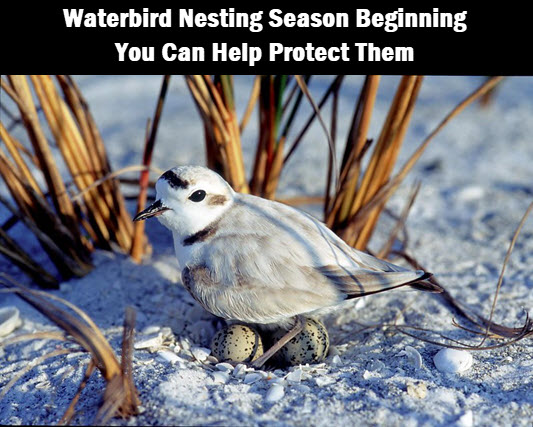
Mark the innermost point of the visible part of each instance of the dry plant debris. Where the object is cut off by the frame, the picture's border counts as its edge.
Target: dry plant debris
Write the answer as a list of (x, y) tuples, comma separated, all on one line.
[(67, 229), (120, 395)]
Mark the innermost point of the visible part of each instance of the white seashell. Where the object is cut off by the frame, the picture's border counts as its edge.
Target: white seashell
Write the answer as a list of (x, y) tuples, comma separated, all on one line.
[(418, 390), (306, 376), (294, 376), (9, 320), (240, 370), (336, 360), (413, 356), (43, 385), (275, 393), (153, 340), (200, 353), (224, 367), (361, 302), (277, 380), (465, 420), (303, 389), (319, 368), (452, 361), (151, 329), (168, 356), (220, 377), (252, 378), (167, 333), (211, 359), (185, 345), (323, 381), (470, 193)]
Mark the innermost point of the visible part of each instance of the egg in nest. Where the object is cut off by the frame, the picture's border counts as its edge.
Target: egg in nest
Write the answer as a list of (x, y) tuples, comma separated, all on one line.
[(237, 343), (309, 346)]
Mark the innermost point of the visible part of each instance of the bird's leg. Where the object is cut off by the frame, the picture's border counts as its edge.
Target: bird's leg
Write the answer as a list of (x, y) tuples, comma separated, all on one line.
[(295, 330)]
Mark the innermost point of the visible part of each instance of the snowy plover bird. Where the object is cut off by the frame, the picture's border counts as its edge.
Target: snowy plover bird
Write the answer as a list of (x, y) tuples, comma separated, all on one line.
[(262, 262)]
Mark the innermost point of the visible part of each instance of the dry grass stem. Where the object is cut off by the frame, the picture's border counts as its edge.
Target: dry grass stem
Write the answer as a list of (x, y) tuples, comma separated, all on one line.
[(305, 90), (254, 94), (139, 239), (215, 103), (382, 194), (400, 223), (69, 413), (67, 228), (33, 364), (120, 396), (484, 327)]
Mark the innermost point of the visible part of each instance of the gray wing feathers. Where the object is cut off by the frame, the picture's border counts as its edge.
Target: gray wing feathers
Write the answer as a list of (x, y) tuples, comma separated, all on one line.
[(268, 261), (364, 282)]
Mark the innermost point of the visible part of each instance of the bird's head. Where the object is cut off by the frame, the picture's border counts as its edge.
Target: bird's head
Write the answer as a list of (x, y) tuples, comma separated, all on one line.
[(188, 199)]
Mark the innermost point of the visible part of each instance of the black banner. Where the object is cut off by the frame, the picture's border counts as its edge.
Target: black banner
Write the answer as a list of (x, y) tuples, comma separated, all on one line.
[(362, 39)]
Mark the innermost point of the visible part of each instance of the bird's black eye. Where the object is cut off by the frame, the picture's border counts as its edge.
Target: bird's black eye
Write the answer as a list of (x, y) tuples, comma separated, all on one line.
[(197, 196)]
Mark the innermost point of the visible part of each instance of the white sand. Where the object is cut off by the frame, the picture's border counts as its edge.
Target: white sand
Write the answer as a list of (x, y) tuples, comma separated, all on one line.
[(477, 181)]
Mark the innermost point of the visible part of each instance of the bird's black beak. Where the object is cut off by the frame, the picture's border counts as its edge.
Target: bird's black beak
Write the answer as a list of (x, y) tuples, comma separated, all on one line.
[(154, 209)]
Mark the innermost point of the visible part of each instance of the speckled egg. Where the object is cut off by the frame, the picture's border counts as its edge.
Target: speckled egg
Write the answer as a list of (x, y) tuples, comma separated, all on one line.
[(237, 343), (309, 346)]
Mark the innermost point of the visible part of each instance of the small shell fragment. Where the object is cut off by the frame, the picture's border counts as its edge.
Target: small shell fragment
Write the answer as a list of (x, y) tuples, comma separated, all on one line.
[(9, 320), (225, 367), (168, 356), (418, 390), (324, 381), (336, 360), (466, 419), (413, 356), (151, 329), (294, 376), (200, 353), (149, 341), (252, 378), (220, 377), (239, 371), (451, 360), (275, 393)]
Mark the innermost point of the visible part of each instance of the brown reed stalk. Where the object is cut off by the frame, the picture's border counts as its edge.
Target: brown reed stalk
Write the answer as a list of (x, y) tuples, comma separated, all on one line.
[(215, 101), (254, 94), (383, 193), (67, 229), (110, 189), (120, 395), (339, 207), (385, 154), (277, 111), (139, 238), (269, 152), (353, 208)]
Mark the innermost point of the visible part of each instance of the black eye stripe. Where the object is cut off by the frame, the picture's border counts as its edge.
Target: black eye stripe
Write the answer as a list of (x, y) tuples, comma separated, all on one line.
[(173, 180), (197, 196)]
